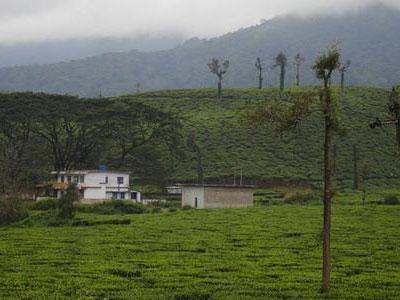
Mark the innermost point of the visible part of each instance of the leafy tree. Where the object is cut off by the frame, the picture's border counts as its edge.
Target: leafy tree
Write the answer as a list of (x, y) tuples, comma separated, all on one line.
[(343, 69), (66, 203), (133, 125), (298, 61), (281, 62), (15, 142), (219, 68), (71, 128), (259, 67), (288, 115)]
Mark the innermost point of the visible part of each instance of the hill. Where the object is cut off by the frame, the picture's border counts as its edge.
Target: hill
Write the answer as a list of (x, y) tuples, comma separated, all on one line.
[(228, 144), (368, 39)]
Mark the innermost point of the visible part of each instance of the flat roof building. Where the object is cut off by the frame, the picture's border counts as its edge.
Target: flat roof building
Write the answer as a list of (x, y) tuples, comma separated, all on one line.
[(217, 196)]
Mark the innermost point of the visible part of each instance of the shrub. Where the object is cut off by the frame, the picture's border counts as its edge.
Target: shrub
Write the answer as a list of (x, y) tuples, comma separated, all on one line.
[(12, 210), (301, 198), (156, 210), (186, 207), (114, 207), (391, 200), (45, 204)]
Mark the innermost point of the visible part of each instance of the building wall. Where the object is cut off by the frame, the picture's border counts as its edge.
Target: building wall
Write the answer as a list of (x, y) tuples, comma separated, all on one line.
[(100, 179), (216, 197), (189, 195), (95, 193)]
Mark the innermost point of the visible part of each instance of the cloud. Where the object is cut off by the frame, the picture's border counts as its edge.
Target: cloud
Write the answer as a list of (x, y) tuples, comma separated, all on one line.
[(38, 20)]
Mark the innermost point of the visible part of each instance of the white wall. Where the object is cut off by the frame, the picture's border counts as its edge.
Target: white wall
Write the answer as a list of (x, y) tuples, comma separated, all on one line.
[(96, 179), (190, 193)]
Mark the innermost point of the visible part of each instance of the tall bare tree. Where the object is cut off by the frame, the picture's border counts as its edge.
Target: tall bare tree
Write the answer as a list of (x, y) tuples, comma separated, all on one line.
[(281, 62), (289, 115), (219, 68), (259, 67), (298, 61), (344, 67), (324, 67)]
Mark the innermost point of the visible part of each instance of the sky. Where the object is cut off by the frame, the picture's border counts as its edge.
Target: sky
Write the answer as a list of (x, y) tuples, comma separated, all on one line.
[(24, 21)]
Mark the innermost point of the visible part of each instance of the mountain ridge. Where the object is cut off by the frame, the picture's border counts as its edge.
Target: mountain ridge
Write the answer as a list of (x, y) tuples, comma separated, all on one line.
[(367, 36)]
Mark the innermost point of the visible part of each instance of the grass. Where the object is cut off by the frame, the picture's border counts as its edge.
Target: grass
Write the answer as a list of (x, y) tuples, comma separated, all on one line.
[(259, 253)]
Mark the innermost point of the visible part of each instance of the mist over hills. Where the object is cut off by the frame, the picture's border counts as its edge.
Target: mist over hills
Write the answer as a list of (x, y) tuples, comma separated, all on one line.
[(368, 38), (54, 51)]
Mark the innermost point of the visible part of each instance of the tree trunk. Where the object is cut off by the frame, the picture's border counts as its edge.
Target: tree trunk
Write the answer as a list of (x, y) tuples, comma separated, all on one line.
[(355, 168), (326, 267), (260, 80), (219, 87), (342, 79), (282, 79), (298, 75)]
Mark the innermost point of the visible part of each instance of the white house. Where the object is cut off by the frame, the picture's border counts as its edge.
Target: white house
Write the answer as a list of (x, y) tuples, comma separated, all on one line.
[(96, 185)]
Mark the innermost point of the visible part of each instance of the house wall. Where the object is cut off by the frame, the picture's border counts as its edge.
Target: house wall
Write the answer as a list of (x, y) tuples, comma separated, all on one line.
[(100, 179), (215, 197), (189, 194)]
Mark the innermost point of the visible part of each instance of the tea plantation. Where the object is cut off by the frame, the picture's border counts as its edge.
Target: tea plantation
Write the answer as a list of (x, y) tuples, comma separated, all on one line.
[(271, 252), (228, 143)]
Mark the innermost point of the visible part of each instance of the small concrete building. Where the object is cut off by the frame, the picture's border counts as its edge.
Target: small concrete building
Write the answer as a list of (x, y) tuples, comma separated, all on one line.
[(217, 196)]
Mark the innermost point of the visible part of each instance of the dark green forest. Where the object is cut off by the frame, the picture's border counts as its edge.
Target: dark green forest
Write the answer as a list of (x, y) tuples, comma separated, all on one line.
[(368, 38)]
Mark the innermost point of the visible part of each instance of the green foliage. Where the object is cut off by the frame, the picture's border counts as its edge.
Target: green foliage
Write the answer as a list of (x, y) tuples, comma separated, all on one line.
[(326, 63), (11, 210), (46, 204), (261, 253), (301, 198), (391, 200), (114, 207), (230, 140)]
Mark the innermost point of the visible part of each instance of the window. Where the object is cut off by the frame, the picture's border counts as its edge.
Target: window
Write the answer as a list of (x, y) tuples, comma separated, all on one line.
[(62, 178), (106, 179), (69, 179), (122, 195), (120, 180), (81, 178), (114, 195), (76, 179)]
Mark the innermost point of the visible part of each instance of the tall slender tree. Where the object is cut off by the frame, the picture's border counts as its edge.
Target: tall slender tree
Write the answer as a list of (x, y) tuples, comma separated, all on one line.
[(298, 61), (281, 62), (344, 67), (292, 113), (259, 67), (324, 67), (219, 68)]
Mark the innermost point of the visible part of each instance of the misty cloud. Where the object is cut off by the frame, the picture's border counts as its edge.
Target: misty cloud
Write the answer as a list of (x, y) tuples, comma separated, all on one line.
[(38, 20)]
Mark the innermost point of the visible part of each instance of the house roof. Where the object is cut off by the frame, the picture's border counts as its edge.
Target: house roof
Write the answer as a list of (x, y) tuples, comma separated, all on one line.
[(84, 172), (227, 186)]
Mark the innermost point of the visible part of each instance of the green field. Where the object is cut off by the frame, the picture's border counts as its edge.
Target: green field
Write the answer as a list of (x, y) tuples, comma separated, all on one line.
[(228, 143), (260, 253)]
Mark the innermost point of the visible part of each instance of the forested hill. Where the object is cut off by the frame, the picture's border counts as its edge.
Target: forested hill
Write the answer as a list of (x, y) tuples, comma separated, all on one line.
[(369, 39)]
